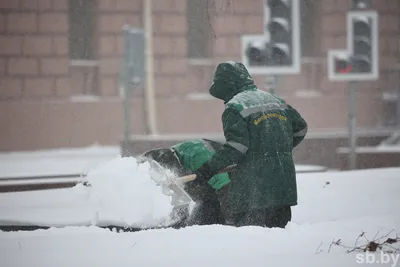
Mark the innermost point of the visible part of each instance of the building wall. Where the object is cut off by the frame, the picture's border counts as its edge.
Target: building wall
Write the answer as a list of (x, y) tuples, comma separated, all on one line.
[(33, 49), (48, 100)]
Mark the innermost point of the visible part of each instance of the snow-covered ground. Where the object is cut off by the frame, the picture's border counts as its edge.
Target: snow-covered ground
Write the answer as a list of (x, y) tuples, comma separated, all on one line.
[(332, 206), (66, 161)]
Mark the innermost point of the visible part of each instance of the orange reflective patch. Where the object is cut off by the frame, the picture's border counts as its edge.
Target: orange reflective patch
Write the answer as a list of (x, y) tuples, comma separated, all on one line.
[(268, 116)]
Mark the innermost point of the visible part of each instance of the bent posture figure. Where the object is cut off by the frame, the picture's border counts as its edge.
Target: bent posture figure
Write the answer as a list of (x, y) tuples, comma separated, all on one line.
[(183, 159), (261, 131)]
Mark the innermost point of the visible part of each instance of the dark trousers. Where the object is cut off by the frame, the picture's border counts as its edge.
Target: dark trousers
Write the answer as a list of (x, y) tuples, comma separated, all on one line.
[(207, 210), (205, 213), (266, 217)]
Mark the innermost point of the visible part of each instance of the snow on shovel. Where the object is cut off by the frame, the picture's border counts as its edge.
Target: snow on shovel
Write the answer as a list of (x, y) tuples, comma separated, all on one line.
[(169, 182), (170, 187), (174, 186)]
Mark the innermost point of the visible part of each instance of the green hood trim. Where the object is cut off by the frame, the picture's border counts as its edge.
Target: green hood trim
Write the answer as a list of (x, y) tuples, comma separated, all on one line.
[(230, 78)]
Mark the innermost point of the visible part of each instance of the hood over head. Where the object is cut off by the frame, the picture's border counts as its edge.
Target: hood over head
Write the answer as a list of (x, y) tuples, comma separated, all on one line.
[(230, 78)]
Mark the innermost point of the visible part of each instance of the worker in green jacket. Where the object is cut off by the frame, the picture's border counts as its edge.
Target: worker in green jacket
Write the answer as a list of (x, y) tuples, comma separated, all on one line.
[(261, 131), (183, 159)]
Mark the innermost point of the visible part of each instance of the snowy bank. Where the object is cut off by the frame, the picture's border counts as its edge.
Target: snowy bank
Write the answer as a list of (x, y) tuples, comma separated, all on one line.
[(121, 193), (332, 206)]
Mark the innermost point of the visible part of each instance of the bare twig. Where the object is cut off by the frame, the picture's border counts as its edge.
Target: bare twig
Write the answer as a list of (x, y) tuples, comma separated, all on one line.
[(337, 243), (377, 233), (372, 245), (358, 238), (318, 250)]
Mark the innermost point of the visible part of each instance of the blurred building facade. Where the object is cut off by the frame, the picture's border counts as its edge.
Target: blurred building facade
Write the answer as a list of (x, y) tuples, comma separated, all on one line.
[(60, 60)]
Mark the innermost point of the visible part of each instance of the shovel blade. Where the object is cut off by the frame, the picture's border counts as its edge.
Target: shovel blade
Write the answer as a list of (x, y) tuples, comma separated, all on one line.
[(179, 195), (169, 187)]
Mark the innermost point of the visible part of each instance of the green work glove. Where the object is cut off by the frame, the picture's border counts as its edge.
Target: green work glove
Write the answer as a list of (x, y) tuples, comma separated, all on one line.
[(218, 181)]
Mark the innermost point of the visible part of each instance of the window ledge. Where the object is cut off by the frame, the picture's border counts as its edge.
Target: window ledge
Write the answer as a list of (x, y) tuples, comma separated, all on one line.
[(85, 98), (307, 93), (199, 97), (390, 96), (84, 63), (312, 60), (201, 61), (211, 61)]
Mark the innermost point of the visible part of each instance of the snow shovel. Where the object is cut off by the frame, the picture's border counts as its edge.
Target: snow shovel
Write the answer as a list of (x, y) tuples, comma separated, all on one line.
[(166, 179), (174, 186), (192, 177), (173, 183)]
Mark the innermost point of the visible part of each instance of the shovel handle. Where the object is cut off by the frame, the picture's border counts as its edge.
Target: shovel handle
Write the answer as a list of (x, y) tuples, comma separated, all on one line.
[(192, 177), (187, 178)]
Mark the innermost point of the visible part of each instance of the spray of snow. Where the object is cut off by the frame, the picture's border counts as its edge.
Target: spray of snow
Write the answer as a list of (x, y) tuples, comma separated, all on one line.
[(125, 188)]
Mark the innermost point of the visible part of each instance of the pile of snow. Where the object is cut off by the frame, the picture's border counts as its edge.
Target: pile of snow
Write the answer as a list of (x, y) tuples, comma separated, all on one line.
[(122, 193), (125, 189)]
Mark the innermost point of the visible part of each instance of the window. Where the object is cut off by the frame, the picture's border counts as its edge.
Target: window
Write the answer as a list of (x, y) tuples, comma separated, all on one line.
[(82, 25), (199, 28), (82, 47), (308, 24)]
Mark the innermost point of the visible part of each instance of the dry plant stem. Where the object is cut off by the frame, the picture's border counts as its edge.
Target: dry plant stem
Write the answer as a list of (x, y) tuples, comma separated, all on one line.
[(372, 245)]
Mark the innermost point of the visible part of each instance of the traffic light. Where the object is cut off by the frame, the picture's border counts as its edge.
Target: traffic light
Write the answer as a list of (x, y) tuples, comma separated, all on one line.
[(343, 64), (132, 70), (278, 50), (257, 53), (280, 27), (360, 60), (362, 43)]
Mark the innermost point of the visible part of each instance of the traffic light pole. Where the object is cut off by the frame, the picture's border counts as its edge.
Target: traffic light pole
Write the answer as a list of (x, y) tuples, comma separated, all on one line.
[(358, 62), (276, 85), (127, 113), (271, 83), (352, 159), (125, 82)]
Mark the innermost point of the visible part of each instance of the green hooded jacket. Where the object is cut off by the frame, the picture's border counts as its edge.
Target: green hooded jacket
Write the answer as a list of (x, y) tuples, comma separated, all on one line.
[(261, 131), (193, 154)]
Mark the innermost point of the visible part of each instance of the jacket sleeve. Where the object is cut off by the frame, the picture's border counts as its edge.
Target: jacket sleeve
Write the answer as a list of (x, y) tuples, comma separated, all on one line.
[(299, 125), (237, 141)]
